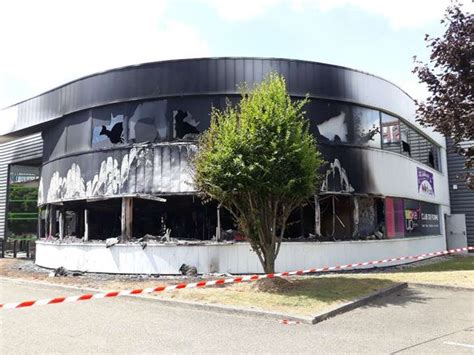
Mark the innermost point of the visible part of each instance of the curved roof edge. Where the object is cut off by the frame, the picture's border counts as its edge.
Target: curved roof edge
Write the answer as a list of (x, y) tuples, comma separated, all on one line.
[(144, 64)]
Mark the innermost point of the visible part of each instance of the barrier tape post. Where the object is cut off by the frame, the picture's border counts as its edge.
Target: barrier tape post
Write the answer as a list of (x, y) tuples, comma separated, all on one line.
[(238, 279)]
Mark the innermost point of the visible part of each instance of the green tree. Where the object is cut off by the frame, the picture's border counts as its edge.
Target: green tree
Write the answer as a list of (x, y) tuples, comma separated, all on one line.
[(259, 160), (449, 77), (22, 209)]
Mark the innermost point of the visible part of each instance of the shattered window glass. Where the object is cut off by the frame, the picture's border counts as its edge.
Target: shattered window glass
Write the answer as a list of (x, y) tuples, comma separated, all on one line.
[(390, 133), (148, 122), (366, 126), (185, 126), (329, 121), (191, 116), (108, 126), (416, 146)]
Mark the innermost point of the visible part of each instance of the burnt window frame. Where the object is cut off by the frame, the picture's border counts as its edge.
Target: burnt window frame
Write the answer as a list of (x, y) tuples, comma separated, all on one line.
[(411, 130)]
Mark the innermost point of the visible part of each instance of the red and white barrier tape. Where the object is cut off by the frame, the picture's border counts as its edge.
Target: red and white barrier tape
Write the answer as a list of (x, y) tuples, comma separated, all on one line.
[(218, 282), (288, 322)]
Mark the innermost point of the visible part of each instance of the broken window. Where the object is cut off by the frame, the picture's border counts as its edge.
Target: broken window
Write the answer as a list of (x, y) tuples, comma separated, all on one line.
[(336, 217), (348, 217), (367, 216), (418, 147), (185, 125), (148, 122), (104, 218), (366, 126), (186, 218), (301, 222), (390, 133), (108, 126), (332, 123), (71, 223)]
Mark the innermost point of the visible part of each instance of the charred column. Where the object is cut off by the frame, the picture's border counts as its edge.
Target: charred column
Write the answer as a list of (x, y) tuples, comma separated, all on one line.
[(86, 224), (127, 218), (61, 224), (52, 220)]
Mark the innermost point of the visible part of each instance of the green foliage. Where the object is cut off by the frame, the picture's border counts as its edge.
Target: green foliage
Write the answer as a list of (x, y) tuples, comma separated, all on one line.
[(259, 160), (22, 210), (449, 77)]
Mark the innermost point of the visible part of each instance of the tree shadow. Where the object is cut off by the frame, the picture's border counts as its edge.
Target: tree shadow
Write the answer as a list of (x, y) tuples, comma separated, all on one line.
[(402, 298), (339, 289)]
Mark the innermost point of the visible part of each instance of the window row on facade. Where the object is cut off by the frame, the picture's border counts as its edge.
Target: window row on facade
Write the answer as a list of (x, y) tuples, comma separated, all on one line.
[(183, 119), (326, 218)]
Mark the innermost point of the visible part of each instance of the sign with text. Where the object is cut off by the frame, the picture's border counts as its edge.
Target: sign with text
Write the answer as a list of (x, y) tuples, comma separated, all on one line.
[(421, 218), (425, 182)]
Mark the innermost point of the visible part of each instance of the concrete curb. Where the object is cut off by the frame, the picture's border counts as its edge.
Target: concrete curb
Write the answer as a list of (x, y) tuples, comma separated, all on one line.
[(340, 309), (233, 310), (358, 302), (50, 284), (441, 287)]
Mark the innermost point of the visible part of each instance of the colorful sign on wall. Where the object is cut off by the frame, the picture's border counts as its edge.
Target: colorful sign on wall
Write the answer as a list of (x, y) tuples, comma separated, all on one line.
[(394, 217), (421, 218), (425, 182)]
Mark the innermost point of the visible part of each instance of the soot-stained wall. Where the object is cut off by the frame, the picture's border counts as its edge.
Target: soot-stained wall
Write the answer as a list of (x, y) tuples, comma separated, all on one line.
[(138, 134), (145, 147)]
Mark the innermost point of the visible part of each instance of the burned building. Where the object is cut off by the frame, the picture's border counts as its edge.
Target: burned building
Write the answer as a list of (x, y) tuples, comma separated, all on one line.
[(114, 152)]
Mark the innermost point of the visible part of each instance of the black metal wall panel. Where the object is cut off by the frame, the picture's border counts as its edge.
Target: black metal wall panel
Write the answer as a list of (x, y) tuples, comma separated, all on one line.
[(23, 149), (145, 169), (203, 77), (462, 198)]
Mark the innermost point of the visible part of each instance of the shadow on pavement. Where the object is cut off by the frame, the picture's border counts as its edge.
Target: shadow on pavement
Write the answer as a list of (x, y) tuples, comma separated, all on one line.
[(402, 298)]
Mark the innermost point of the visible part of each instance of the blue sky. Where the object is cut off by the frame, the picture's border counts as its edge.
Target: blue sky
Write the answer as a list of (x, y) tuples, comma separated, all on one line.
[(47, 43)]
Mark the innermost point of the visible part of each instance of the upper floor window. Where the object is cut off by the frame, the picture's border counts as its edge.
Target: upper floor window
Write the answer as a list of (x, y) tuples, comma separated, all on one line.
[(108, 126), (416, 146), (398, 137), (366, 126), (147, 122)]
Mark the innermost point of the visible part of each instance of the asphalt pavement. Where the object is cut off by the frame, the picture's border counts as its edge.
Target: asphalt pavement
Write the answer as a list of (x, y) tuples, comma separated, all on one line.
[(415, 320)]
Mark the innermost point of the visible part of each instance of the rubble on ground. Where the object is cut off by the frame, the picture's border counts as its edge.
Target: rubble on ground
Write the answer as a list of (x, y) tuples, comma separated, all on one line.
[(188, 270)]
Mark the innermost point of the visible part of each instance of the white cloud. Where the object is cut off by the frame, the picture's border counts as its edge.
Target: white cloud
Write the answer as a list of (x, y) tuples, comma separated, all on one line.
[(241, 10), (399, 13), (415, 89), (46, 43)]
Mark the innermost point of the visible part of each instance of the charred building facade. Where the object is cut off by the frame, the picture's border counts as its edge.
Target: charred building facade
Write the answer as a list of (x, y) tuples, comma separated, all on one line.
[(116, 151)]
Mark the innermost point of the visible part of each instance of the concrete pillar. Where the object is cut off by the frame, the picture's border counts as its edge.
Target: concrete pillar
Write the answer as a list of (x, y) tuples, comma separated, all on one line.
[(52, 220), (317, 217), (61, 224), (127, 218), (218, 229), (86, 224)]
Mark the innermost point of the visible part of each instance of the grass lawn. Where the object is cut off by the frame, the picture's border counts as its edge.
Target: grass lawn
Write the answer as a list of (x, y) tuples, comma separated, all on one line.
[(309, 295), (456, 263), (455, 271), (304, 296)]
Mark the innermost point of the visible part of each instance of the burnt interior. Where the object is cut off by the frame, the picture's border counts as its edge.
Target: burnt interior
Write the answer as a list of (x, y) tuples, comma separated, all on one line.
[(185, 126), (186, 218), (115, 134), (346, 208)]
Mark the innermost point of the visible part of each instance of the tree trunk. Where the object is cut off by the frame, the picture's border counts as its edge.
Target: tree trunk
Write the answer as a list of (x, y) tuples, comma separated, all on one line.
[(269, 266)]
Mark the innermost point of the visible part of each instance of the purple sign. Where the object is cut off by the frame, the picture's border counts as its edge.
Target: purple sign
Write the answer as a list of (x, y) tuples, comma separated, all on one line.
[(425, 182)]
